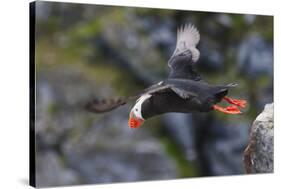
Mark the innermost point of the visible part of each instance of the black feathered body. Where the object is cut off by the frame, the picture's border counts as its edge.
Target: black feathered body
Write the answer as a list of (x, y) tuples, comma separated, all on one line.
[(200, 97)]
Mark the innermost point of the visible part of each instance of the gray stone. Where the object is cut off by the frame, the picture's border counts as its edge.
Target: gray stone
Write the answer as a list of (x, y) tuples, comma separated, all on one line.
[(258, 156)]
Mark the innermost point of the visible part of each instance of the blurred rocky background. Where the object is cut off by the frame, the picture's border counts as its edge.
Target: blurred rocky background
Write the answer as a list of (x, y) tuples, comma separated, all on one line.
[(105, 51)]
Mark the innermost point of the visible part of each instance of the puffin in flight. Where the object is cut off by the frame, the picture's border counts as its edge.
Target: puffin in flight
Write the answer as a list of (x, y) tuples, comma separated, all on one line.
[(183, 91)]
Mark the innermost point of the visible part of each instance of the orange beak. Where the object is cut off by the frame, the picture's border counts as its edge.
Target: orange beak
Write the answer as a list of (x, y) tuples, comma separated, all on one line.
[(134, 122)]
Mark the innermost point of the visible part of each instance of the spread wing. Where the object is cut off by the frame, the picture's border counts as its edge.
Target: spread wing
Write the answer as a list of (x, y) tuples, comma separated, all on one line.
[(105, 105), (185, 55)]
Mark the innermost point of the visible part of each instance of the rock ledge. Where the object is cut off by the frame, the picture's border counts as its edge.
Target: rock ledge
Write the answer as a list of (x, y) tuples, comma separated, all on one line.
[(258, 156)]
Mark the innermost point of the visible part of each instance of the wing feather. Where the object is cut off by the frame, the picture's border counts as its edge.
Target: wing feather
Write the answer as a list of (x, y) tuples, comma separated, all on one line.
[(106, 105), (187, 36), (186, 54)]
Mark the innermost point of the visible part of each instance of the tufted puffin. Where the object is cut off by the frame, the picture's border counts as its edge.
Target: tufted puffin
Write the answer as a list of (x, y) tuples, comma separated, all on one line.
[(183, 91)]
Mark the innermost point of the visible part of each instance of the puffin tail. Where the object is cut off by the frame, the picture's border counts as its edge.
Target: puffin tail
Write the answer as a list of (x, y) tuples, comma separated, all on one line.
[(221, 91)]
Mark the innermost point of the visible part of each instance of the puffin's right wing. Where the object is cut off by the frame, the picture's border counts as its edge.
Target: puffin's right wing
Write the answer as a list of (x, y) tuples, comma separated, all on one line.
[(106, 105), (185, 55)]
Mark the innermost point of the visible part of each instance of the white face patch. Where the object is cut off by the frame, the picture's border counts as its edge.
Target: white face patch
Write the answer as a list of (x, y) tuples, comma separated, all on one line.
[(137, 108)]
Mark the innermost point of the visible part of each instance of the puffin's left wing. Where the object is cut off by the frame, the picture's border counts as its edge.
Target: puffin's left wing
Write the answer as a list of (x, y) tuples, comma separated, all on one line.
[(185, 55), (168, 86)]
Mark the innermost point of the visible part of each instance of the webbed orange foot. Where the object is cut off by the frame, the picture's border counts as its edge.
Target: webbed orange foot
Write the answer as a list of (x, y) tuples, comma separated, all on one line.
[(228, 109), (240, 103)]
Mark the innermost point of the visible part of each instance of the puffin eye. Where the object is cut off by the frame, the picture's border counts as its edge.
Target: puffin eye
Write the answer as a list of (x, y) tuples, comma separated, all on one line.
[(136, 109)]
